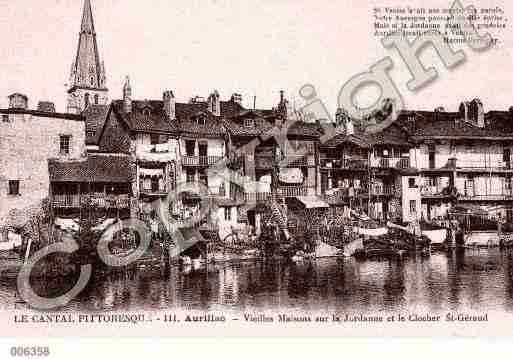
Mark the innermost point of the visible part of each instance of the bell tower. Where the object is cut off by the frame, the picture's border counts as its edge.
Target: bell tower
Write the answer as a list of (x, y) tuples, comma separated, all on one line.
[(88, 81)]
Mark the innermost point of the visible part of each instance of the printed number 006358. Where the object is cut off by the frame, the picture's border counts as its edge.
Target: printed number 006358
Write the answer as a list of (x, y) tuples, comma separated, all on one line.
[(21, 352)]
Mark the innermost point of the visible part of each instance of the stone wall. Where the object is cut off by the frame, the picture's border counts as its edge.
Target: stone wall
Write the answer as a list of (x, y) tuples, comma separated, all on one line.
[(26, 144)]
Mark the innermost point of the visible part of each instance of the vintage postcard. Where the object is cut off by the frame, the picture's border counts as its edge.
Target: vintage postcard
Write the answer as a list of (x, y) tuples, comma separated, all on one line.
[(255, 168)]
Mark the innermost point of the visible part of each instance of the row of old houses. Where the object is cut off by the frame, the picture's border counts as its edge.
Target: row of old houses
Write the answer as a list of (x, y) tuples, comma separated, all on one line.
[(135, 152), (129, 154)]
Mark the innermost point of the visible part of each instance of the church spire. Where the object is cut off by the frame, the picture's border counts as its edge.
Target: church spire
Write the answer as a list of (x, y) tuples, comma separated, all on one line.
[(88, 78), (87, 18), (87, 69)]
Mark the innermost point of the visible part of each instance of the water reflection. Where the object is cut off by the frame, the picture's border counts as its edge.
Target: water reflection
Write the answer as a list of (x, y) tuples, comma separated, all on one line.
[(474, 280)]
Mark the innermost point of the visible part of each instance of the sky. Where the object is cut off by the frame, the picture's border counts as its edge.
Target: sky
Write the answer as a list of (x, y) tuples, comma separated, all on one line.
[(255, 48)]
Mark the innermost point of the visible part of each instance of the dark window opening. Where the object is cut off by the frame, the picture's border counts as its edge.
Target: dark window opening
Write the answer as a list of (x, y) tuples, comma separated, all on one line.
[(86, 99), (413, 207), (190, 147), (506, 157), (190, 176), (154, 184), (227, 214), (96, 99), (14, 188), (65, 145), (203, 178), (154, 139), (411, 183), (5, 118)]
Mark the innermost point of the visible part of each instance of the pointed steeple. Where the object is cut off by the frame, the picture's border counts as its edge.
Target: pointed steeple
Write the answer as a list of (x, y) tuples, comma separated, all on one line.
[(88, 81), (87, 18), (87, 69)]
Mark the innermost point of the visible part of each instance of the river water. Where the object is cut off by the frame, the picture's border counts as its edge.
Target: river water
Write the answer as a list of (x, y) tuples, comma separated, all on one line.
[(458, 280)]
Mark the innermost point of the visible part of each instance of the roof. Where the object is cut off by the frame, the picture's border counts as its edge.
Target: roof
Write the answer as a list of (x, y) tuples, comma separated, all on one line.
[(110, 168), (66, 116), (146, 116), (95, 116), (392, 135), (433, 124), (211, 127)]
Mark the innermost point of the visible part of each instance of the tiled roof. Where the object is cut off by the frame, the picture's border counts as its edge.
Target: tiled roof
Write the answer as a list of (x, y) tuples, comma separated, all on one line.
[(95, 116), (392, 135), (430, 124), (212, 126), (343, 139), (146, 116), (112, 168), (304, 129)]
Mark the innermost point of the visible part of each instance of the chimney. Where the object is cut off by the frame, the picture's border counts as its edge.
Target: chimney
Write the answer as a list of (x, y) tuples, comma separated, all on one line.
[(464, 113), (18, 101), (46, 106), (237, 98), (214, 104), (476, 111), (342, 118), (127, 96), (169, 105)]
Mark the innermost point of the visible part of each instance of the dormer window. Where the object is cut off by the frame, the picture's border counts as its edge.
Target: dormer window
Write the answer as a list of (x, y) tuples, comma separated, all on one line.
[(249, 122), (201, 119), (147, 112)]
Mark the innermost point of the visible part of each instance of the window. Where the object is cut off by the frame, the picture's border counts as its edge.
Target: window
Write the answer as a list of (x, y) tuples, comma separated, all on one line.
[(190, 176), (14, 188), (203, 177), (190, 147), (227, 214), (86, 99), (413, 207), (65, 141), (96, 99), (154, 139), (201, 120), (154, 184), (147, 112), (5, 118), (411, 183), (249, 122), (92, 81)]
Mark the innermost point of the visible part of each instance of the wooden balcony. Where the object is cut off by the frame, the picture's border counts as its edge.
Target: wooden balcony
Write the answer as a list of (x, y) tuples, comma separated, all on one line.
[(484, 165), (382, 191), (507, 196), (99, 200), (391, 162), (257, 197), (200, 161), (345, 164)]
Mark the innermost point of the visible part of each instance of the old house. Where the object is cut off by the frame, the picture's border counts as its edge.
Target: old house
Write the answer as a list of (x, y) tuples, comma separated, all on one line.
[(464, 158), (370, 172), (28, 139)]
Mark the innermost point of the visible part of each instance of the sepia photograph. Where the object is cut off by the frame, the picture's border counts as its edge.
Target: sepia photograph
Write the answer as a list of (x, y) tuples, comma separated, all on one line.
[(255, 168)]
